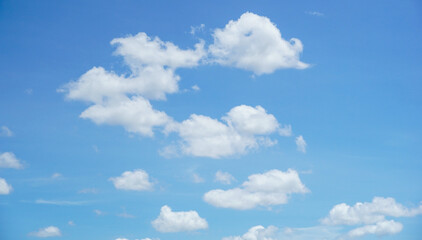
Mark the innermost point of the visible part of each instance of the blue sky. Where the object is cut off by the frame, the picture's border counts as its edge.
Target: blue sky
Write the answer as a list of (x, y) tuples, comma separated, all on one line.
[(194, 120)]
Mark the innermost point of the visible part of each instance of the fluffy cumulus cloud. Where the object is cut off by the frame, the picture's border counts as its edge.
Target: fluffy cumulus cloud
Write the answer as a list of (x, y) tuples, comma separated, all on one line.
[(137, 180), (369, 212), (169, 221), (50, 231), (254, 43), (243, 128), (5, 188), (124, 99), (9, 160), (135, 114), (380, 228), (372, 215), (266, 189), (224, 177)]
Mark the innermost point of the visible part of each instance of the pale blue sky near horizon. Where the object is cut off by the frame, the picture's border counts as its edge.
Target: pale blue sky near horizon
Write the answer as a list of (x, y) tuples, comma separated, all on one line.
[(358, 106)]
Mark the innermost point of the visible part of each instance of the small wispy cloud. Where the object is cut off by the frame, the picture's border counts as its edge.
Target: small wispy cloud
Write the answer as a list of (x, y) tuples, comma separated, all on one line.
[(195, 29), (124, 214), (99, 212), (29, 91), (88, 190), (196, 178), (60, 202), (301, 144), (5, 131), (315, 13), (56, 176)]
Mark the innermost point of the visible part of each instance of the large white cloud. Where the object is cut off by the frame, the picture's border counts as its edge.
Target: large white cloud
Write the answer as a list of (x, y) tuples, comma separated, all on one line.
[(380, 228), (5, 188), (50, 231), (243, 128), (368, 212), (135, 114), (254, 43), (9, 160), (266, 189), (136, 180), (169, 221)]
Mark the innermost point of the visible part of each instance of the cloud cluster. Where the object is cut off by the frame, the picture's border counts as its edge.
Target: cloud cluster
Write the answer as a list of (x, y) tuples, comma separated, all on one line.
[(266, 189), (50, 231), (372, 215), (124, 99), (136, 180), (9, 160), (169, 221), (254, 43), (243, 128)]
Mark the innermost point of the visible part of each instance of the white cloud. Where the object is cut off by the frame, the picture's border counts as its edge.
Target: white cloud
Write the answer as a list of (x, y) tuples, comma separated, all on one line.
[(50, 231), (251, 120), (140, 50), (257, 233), (195, 29), (169, 221), (135, 114), (9, 160), (267, 189), (136, 180), (380, 228), (301, 144), (244, 128), (368, 212), (5, 131), (224, 177), (123, 99), (122, 239), (254, 43), (273, 233), (5, 188), (195, 88)]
